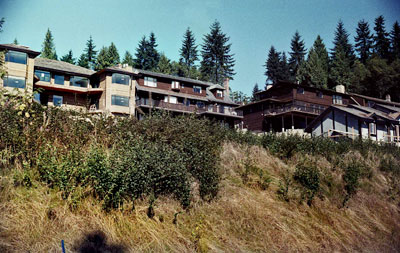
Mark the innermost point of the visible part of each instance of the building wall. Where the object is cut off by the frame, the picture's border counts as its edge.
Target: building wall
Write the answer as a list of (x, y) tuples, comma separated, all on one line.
[(21, 70), (327, 122), (253, 121), (352, 124), (119, 90)]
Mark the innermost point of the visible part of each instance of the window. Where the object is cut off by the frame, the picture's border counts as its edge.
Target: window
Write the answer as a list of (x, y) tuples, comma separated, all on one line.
[(149, 81), (57, 100), (372, 128), (175, 85), (120, 79), (319, 94), (221, 109), (43, 75), (300, 90), (16, 57), (173, 100), (197, 89), (219, 94), (337, 99), (200, 105), (78, 81), (14, 82), (119, 100), (58, 79)]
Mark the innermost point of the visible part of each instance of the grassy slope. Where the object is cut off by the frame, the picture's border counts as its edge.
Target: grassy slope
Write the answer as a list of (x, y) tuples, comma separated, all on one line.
[(243, 218)]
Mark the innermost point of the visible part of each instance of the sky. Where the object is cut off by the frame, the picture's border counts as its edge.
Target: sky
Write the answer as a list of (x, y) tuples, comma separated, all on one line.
[(252, 25)]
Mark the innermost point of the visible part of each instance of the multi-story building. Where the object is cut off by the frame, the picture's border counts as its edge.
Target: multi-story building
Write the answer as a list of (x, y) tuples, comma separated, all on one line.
[(119, 90)]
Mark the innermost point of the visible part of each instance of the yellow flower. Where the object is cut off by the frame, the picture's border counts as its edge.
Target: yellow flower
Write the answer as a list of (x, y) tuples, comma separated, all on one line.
[(27, 115), (19, 113), (22, 107)]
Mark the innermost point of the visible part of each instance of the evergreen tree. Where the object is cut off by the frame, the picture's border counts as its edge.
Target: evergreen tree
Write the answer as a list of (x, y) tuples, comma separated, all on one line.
[(48, 48), (90, 52), (15, 41), (177, 69), (82, 61), (272, 66), (255, 90), (1, 24), (342, 40), (128, 59), (164, 65), (112, 54), (2, 70), (284, 68), (153, 54), (395, 40), (188, 50), (68, 57), (297, 54), (381, 40), (103, 59), (314, 71), (363, 41), (217, 63), (141, 60), (341, 68)]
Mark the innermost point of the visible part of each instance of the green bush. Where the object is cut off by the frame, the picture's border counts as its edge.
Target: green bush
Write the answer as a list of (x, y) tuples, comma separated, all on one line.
[(309, 177), (351, 177)]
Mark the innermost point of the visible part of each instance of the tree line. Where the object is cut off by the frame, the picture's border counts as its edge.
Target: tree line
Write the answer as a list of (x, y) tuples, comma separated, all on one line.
[(371, 66), (216, 63)]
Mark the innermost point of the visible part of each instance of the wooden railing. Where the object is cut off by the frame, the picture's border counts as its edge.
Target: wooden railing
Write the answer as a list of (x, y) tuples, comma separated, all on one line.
[(316, 109)]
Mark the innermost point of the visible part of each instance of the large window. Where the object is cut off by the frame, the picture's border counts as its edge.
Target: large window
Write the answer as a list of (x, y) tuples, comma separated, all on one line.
[(17, 57), (58, 79), (372, 129), (337, 99), (175, 85), (14, 82), (78, 81), (119, 100), (149, 81), (219, 94), (197, 89), (44, 76), (57, 100), (120, 78)]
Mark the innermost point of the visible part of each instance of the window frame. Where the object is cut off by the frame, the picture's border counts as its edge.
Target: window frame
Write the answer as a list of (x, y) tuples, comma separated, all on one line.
[(220, 94), (54, 76), (175, 85), (335, 99), (320, 94), (8, 59), (113, 101), (150, 80), (114, 78), (195, 87), (45, 73), (13, 77), (372, 126), (71, 82), (58, 97)]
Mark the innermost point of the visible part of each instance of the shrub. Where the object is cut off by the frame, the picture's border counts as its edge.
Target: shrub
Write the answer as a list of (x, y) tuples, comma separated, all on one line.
[(351, 176), (308, 175)]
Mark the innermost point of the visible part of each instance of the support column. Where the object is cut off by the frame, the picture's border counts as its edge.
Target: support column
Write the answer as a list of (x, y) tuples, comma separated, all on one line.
[(292, 121), (283, 124)]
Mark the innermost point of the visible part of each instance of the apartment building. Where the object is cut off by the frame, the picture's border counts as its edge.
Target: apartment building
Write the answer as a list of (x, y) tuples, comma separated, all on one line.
[(117, 90)]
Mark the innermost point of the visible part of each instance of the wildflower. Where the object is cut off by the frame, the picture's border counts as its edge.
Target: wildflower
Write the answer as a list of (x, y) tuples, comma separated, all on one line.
[(22, 107), (27, 115)]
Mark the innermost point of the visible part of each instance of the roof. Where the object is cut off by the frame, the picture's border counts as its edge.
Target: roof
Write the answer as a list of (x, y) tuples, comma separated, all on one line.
[(372, 111), (172, 93), (375, 99), (61, 66), (225, 100), (20, 48), (390, 108), (216, 86)]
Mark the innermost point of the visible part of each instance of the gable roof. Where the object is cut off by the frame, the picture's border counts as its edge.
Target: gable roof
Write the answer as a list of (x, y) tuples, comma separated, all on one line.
[(226, 99), (19, 48), (63, 67)]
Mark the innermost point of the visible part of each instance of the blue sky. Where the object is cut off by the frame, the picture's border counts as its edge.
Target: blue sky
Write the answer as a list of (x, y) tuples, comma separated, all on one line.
[(253, 25)]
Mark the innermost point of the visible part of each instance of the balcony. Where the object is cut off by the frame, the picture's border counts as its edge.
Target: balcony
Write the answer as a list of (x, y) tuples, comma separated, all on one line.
[(296, 107), (223, 110)]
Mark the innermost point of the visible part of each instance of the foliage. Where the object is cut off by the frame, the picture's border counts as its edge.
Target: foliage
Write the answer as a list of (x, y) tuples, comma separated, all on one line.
[(147, 56), (351, 176), (128, 59), (90, 53), (188, 51), (363, 41), (309, 176), (82, 61), (68, 58), (381, 38), (255, 90), (217, 61), (48, 47), (297, 54), (164, 65)]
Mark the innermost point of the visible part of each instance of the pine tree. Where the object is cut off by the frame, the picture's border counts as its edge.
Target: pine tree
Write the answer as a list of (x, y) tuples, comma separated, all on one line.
[(153, 54), (177, 69), (363, 41), (113, 56), (68, 57), (341, 68), (128, 59), (15, 41), (48, 48), (314, 71), (103, 59), (342, 40), (284, 68), (297, 54), (188, 51), (82, 61), (164, 65), (1, 24), (90, 52), (217, 63), (395, 40), (141, 60), (381, 38), (255, 90), (272, 66)]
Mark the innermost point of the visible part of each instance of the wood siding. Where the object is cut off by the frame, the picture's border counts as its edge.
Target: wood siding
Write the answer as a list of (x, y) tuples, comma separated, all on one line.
[(165, 84)]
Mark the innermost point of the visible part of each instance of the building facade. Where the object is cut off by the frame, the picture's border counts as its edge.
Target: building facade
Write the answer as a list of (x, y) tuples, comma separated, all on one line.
[(116, 90)]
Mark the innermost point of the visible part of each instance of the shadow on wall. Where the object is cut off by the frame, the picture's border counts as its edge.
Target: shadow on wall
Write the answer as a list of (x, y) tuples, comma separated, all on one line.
[(96, 242)]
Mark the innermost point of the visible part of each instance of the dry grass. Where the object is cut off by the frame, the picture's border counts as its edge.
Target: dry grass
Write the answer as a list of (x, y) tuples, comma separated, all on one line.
[(243, 218)]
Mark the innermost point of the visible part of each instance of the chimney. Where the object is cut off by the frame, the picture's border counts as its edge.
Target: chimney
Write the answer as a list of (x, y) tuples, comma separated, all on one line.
[(269, 86), (226, 86), (340, 88), (387, 98)]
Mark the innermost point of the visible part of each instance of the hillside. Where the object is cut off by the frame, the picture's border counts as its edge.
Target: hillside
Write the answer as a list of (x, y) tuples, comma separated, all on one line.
[(64, 177)]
